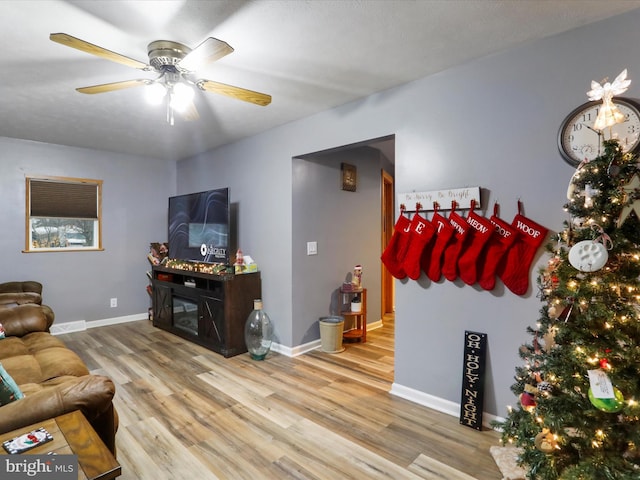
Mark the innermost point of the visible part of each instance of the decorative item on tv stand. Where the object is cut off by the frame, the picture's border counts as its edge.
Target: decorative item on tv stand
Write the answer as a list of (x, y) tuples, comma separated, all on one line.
[(244, 264), (258, 332), (353, 307), (158, 255)]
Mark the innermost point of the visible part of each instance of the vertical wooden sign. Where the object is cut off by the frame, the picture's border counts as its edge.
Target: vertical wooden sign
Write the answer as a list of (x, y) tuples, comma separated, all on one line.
[(472, 403)]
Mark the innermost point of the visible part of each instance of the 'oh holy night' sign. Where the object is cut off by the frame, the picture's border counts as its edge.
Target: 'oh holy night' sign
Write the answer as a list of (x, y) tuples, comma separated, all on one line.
[(471, 406)]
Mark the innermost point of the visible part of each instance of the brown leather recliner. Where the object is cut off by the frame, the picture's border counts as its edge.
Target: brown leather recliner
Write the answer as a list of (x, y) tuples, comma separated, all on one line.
[(18, 293), (53, 379)]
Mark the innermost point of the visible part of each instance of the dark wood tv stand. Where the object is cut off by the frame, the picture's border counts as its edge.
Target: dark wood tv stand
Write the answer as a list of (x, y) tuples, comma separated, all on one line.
[(207, 309)]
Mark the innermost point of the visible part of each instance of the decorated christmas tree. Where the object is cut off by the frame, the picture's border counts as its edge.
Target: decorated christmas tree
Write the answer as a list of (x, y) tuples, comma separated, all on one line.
[(578, 415)]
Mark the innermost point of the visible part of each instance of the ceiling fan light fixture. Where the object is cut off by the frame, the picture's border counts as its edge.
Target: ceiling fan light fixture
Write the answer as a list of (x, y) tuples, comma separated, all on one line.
[(175, 65), (181, 96), (155, 93)]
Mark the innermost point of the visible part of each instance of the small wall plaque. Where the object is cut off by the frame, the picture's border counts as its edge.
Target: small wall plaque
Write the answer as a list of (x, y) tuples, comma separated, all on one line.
[(349, 177)]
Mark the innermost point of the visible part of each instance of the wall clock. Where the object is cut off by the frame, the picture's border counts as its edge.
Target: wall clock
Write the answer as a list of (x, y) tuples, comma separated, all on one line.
[(578, 140)]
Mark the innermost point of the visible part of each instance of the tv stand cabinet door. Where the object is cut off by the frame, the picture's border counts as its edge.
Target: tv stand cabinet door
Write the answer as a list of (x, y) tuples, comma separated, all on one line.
[(212, 329), (162, 306)]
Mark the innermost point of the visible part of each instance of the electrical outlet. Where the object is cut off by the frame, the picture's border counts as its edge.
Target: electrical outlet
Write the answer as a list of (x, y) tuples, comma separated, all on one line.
[(114, 302)]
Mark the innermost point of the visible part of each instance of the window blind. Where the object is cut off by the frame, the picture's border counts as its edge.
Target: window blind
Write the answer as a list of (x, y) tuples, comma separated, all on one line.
[(63, 199)]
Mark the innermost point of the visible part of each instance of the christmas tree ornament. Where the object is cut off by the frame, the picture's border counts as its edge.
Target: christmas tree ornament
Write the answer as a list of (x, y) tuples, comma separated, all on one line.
[(545, 441), (604, 363), (614, 167), (549, 278), (609, 405), (602, 394), (572, 189), (609, 114), (431, 259), (567, 311), (589, 194), (588, 256), (544, 387), (528, 401), (631, 191), (591, 255), (632, 453), (579, 222)]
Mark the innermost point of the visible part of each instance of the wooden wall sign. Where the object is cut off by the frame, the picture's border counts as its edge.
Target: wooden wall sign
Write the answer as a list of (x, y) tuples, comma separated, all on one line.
[(472, 403), (462, 197)]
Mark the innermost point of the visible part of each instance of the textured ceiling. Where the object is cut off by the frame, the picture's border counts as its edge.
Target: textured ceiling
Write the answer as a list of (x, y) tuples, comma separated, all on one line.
[(309, 55)]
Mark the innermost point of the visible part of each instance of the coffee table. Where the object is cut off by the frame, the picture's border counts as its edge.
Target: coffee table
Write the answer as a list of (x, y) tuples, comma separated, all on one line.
[(72, 435)]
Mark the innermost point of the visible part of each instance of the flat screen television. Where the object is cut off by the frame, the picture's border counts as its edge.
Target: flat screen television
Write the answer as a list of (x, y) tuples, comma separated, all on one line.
[(199, 226)]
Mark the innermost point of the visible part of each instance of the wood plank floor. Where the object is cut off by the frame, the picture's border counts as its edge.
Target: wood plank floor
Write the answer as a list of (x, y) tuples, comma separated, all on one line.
[(186, 413)]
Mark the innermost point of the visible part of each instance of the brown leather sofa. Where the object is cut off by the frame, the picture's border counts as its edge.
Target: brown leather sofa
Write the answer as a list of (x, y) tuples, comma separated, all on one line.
[(53, 379)]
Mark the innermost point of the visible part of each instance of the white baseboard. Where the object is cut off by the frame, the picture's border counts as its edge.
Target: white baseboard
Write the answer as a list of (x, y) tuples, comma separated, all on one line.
[(82, 325), (295, 351), (116, 320), (307, 347), (437, 403)]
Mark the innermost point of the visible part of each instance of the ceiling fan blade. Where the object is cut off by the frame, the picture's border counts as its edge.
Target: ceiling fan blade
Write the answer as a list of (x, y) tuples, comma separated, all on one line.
[(110, 87), (250, 96), (73, 42), (208, 51)]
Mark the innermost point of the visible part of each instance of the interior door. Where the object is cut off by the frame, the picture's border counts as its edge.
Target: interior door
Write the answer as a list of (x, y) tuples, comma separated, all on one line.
[(387, 295)]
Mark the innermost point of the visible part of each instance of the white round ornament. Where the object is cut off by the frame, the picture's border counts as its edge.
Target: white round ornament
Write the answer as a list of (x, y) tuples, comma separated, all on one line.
[(588, 256)]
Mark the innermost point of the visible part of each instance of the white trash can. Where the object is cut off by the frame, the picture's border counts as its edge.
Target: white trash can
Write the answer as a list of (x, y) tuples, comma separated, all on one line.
[(331, 329)]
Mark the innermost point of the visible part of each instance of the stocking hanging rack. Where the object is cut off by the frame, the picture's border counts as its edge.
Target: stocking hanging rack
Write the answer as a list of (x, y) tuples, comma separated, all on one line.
[(427, 201)]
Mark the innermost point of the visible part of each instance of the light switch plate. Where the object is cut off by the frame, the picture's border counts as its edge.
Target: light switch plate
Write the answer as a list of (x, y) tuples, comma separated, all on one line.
[(312, 248)]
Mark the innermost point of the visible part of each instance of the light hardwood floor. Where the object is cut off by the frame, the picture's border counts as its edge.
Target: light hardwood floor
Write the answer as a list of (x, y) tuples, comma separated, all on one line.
[(188, 413)]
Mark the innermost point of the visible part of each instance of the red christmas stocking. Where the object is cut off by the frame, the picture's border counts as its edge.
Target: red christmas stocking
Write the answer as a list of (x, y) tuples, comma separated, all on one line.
[(513, 270), (421, 232), (468, 261), (431, 260), (497, 246), (394, 253), (463, 231)]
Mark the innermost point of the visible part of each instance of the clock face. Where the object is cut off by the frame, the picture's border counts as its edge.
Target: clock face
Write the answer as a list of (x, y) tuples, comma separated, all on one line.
[(578, 140)]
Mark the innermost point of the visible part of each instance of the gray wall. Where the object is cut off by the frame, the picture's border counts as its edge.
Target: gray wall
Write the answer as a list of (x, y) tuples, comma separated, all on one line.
[(490, 123), (78, 285), (346, 226)]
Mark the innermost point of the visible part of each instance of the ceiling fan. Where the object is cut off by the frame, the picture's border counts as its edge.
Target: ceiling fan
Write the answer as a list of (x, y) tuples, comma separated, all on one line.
[(175, 65)]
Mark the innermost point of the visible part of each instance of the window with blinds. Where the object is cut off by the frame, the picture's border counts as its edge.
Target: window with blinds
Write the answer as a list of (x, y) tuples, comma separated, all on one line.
[(63, 214)]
